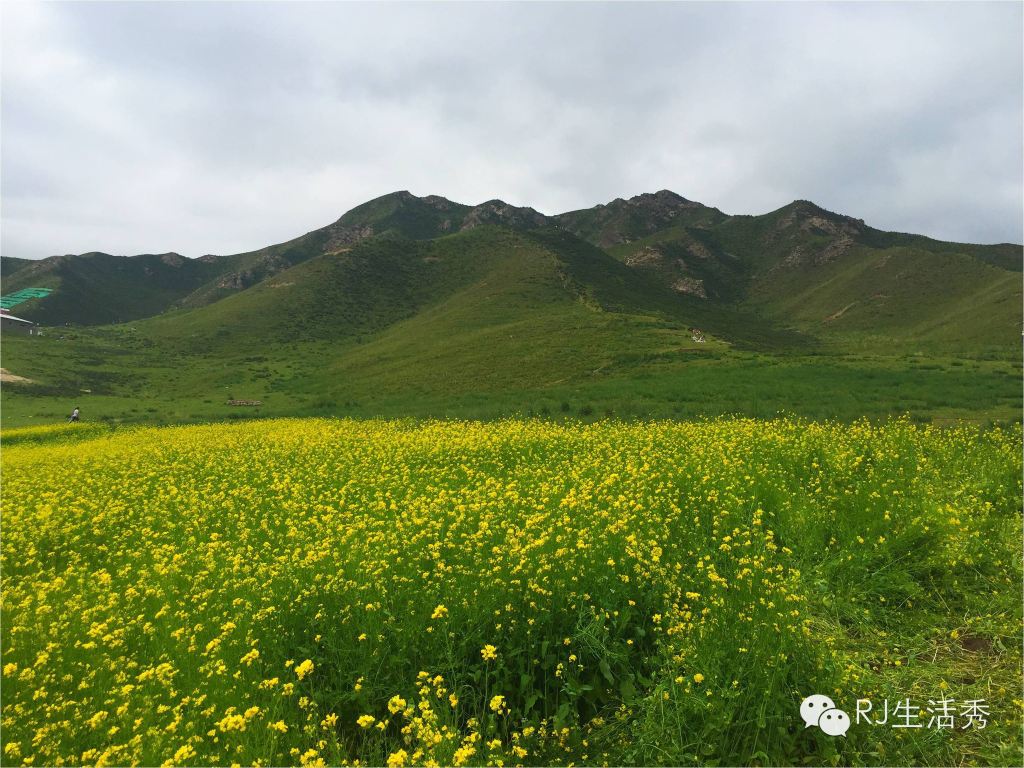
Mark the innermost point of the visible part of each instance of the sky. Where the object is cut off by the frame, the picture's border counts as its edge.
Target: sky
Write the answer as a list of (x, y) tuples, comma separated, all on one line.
[(222, 127)]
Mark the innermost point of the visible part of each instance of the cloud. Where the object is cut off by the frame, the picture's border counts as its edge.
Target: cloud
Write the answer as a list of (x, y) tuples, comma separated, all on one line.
[(223, 127)]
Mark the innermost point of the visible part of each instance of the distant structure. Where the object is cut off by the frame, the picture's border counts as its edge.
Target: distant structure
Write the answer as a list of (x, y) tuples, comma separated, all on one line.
[(11, 324), (697, 335), (25, 294)]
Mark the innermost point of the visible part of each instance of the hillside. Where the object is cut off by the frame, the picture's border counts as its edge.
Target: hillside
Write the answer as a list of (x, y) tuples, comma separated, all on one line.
[(624, 221), (9, 265), (483, 308), (834, 277), (97, 288), (409, 305), (817, 272)]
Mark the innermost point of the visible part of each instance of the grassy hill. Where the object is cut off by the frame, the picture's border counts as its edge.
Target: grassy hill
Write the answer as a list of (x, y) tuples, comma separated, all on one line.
[(485, 308), (422, 306), (623, 221), (834, 278), (97, 288), (9, 265)]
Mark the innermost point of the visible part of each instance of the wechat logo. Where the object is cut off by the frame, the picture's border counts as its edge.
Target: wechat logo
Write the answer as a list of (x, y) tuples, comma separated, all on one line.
[(821, 711)]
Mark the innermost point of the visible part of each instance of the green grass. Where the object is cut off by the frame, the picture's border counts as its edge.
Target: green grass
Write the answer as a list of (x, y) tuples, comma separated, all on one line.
[(599, 370), (492, 321), (880, 290), (97, 288)]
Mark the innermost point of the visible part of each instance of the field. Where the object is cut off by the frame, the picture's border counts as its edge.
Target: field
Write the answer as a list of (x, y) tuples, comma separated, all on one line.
[(122, 376), (516, 592)]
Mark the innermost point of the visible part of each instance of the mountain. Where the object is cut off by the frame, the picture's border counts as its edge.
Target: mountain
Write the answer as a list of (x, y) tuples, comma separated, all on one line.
[(9, 265), (433, 295), (420, 305), (832, 275), (97, 288), (819, 273), (625, 221)]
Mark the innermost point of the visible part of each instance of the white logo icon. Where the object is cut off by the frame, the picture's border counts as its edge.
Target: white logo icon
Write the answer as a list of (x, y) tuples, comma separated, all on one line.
[(821, 711)]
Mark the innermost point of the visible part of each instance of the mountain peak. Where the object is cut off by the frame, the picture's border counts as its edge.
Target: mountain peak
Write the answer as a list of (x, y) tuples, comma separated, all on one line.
[(661, 197), (804, 208), (807, 207), (504, 214), (624, 221), (807, 213)]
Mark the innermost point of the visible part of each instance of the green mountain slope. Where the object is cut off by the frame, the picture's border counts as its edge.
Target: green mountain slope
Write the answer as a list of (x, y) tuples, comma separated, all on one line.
[(399, 214), (9, 265), (624, 221), (334, 296), (97, 288), (744, 279), (342, 296), (833, 277), (548, 309), (484, 322)]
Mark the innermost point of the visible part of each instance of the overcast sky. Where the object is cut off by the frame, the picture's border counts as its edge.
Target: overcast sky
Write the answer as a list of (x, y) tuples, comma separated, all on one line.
[(223, 127)]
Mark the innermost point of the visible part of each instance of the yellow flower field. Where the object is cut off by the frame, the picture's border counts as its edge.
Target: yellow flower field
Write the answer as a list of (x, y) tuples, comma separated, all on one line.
[(522, 592)]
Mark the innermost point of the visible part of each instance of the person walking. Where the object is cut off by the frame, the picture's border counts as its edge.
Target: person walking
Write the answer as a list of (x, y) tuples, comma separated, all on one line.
[(74, 415)]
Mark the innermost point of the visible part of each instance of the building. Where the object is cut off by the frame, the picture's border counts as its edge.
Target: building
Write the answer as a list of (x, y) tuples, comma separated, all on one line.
[(11, 324)]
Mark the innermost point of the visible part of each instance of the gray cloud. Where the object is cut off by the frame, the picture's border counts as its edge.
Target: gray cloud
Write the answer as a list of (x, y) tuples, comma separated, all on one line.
[(223, 127)]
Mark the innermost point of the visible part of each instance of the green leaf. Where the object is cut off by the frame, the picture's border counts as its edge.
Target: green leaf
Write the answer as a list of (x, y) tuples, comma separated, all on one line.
[(628, 690)]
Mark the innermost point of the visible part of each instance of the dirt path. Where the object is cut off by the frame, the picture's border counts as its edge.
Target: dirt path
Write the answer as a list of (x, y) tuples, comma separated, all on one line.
[(9, 378)]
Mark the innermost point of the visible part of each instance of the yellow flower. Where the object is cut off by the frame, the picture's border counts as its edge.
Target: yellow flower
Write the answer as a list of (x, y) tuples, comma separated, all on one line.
[(365, 721), (396, 705), (698, 678), (279, 726), (232, 723), (489, 652), (397, 759), (304, 669), (184, 753), (439, 613), (497, 704)]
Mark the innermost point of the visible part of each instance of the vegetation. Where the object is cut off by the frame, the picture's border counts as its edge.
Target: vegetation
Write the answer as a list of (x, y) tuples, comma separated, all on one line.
[(584, 562), (494, 321), (801, 267), (97, 288), (514, 592)]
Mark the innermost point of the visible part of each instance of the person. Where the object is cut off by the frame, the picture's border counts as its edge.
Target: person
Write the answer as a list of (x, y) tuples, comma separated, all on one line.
[(74, 415)]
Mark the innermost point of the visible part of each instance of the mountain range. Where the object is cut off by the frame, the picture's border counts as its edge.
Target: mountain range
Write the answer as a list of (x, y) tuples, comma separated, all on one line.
[(425, 297), (800, 267)]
